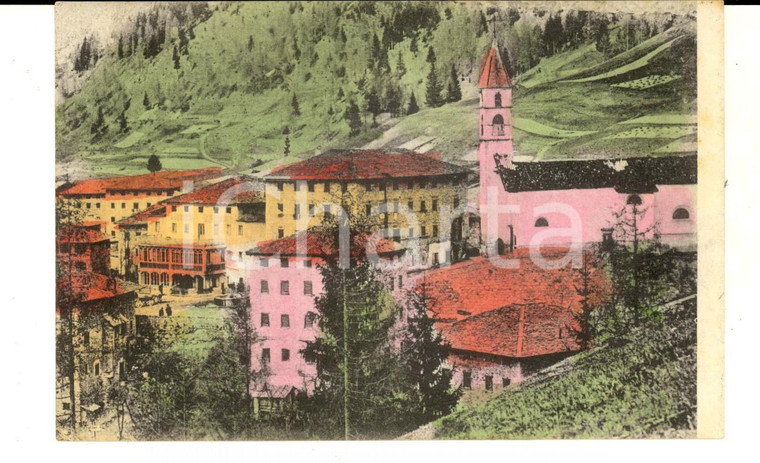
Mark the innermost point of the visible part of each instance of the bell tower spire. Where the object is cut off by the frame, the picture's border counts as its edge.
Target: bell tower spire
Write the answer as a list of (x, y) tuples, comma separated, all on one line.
[(495, 149)]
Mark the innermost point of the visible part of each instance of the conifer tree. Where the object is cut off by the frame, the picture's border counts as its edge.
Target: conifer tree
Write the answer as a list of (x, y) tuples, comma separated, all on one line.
[(373, 105), (146, 101), (175, 57), (424, 354), (120, 48), (294, 104), (154, 164), (433, 88), (286, 132), (354, 119), (454, 90), (412, 107)]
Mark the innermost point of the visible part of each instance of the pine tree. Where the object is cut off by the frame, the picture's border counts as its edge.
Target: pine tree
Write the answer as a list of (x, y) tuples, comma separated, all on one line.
[(400, 66), (412, 107), (122, 120), (154, 164), (250, 43), (454, 90), (424, 354), (120, 48), (433, 90), (358, 377), (294, 104), (98, 128), (392, 99), (175, 57), (146, 101), (431, 56), (413, 45), (373, 105), (354, 119), (340, 93), (286, 132)]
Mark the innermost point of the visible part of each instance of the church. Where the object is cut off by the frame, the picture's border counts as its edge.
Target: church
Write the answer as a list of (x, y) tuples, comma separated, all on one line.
[(572, 203)]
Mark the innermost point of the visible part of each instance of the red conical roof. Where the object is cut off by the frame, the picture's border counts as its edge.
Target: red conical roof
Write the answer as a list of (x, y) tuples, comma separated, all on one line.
[(493, 74)]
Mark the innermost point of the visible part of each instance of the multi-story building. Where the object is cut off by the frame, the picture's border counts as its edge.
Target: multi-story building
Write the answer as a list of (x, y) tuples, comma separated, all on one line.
[(109, 200), (94, 324), (195, 240), (414, 197), (284, 281)]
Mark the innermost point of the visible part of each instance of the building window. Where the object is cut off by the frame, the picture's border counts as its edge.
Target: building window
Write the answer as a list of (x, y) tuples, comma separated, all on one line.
[(310, 186), (308, 319), (280, 186), (174, 208), (285, 321), (410, 205), (201, 229), (344, 187), (216, 209), (264, 263), (467, 379), (423, 207), (680, 214), (400, 281), (368, 209), (240, 230), (96, 368), (435, 205), (200, 208), (435, 259), (113, 233), (186, 208), (285, 355), (423, 231), (86, 340), (489, 383), (285, 288), (265, 355), (307, 288), (411, 232), (123, 205), (113, 219), (264, 287), (280, 207), (327, 187), (264, 316), (634, 200), (88, 205), (542, 222), (280, 233), (284, 263), (435, 231), (505, 382), (307, 263), (497, 100), (497, 127), (113, 205), (297, 212), (229, 210)]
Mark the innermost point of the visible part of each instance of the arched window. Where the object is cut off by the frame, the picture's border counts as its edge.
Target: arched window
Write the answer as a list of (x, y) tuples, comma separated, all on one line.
[(542, 222), (681, 214), (497, 100), (634, 200), (497, 125)]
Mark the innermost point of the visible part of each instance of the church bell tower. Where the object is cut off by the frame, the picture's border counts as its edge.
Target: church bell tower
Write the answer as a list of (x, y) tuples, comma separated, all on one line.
[(495, 133)]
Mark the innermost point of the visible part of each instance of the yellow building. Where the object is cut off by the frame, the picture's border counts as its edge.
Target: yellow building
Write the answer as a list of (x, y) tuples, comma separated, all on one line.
[(110, 200), (194, 239), (413, 197)]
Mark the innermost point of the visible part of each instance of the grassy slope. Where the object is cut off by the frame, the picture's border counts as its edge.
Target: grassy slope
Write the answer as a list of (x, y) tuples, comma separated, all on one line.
[(554, 118), (643, 388)]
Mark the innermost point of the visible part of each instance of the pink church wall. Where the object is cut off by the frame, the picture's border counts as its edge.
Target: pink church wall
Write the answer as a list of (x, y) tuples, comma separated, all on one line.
[(591, 210)]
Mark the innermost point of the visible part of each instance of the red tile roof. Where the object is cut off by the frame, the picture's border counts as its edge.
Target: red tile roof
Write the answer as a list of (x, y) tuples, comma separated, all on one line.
[(477, 286), (150, 214), (73, 234), (517, 331), (233, 190), (367, 164), (162, 180), (84, 286), (322, 243), (493, 74)]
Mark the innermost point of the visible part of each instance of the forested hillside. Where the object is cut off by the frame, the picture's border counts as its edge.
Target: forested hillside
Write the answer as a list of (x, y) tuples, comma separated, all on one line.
[(255, 84)]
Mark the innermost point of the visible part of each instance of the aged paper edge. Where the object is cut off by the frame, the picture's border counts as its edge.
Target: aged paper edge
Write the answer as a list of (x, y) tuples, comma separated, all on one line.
[(710, 222)]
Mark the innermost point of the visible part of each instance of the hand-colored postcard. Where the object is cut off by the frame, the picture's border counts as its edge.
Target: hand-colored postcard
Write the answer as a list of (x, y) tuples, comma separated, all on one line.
[(382, 220)]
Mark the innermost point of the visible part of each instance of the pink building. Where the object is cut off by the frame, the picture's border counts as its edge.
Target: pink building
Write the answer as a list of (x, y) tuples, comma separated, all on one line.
[(284, 281), (572, 203)]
